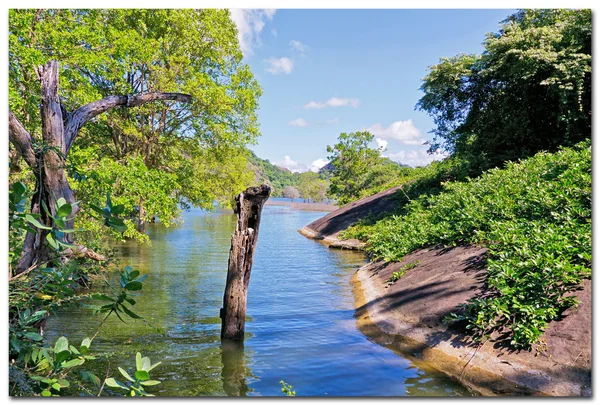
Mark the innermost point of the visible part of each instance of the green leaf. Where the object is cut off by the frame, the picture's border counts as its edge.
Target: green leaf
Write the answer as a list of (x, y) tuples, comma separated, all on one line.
[(56, 386), (130, 313), (33, 336), (86, 343), (65, 210), (19, 188), (146, 364), (142, 375), (60, 202), (111, 382), (46, 393), (118, 209), (150, 383), (63, 383), (138, 361), (153, 366), (36, 223), (61, 345), (133, 286), (72, 363), (126, 375), (52, 241)]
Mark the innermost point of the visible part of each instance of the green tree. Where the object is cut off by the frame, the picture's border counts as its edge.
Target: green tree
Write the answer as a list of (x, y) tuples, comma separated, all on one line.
[(530, 90), (188, 59), (312, 187), (352, 158)]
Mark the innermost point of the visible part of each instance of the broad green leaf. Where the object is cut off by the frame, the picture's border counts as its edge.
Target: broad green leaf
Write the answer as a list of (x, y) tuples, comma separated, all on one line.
[(150, 383), (33, 336), (62, 344), (133, 286), (142, 375), (126, 375), (36, 223), (65, 210), (73, 363), (111, 382)]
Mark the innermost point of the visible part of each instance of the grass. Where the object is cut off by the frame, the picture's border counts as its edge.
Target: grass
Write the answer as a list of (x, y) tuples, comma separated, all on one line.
[(534, 217)]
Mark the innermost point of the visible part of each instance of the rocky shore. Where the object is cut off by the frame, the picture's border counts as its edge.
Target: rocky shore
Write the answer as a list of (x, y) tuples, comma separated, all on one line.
[(408, 315)]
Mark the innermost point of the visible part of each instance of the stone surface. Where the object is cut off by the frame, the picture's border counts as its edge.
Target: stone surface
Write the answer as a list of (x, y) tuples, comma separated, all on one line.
[(407, 316)]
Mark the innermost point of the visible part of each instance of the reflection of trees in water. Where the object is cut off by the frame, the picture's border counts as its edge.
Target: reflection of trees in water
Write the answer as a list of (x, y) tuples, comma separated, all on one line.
[(234, 370)]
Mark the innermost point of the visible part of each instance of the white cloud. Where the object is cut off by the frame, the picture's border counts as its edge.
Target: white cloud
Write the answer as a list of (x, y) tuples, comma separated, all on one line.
[(278, 66), (301, 122), (416, 157), (299, 47), (291, 165), (404, 132), (250, 23), (333, 102), (318, 164), (381, 144), (298, 122)]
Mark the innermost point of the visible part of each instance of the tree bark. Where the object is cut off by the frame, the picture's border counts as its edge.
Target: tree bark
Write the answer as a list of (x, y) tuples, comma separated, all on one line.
[(248, 207), (59, 130)]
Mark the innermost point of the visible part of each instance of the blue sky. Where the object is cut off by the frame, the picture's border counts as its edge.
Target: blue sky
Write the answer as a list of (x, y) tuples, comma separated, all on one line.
[(324, 72)]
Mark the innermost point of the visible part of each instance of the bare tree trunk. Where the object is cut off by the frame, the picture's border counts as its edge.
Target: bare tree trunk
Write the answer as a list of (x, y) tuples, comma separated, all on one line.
[(51, 179), (248, 207), (47, 159), (141, 226)]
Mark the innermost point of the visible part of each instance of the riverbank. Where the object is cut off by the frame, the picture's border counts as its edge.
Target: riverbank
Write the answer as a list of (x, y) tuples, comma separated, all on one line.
[(407, 316), (304, 206)]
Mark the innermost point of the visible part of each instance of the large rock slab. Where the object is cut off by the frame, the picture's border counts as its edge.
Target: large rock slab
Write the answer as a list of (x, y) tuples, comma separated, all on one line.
[(407, 316)]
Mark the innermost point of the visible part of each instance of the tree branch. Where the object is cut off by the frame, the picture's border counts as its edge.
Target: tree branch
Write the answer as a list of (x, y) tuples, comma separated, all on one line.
[(82, 115), (21, 139)]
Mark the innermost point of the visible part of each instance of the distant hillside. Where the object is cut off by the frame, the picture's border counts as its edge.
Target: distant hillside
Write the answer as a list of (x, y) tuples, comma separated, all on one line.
[(276, 177)]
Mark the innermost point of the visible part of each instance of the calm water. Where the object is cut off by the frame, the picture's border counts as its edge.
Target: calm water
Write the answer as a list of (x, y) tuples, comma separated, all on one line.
[(300, 327)]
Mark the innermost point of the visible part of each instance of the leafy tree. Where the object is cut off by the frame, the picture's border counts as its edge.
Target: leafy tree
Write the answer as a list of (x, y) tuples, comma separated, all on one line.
[(291, 192), (312, 187), (352, 158), (530, 90), (188, 59)]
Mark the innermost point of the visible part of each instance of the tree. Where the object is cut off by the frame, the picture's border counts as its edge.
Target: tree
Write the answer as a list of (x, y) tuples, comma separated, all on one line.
[(189, 60), (291, 192), (530, 90), (312, 187), (351, 158)]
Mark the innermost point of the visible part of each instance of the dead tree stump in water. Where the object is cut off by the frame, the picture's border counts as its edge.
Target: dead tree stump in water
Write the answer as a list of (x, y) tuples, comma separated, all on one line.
[(248, 206)]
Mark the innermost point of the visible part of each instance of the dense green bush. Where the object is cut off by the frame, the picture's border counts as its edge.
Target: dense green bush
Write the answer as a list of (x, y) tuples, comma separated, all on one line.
[(534, 217)]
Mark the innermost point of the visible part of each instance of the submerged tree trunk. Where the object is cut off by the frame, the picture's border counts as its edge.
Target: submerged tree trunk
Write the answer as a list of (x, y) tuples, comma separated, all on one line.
[(47, 156), (141, 225), (248, 207)]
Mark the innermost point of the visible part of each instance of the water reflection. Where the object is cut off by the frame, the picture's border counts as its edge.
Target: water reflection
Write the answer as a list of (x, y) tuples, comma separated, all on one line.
[(234, 369)]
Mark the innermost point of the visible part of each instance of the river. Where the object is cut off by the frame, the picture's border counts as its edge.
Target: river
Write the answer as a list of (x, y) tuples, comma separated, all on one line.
[(300, 326)]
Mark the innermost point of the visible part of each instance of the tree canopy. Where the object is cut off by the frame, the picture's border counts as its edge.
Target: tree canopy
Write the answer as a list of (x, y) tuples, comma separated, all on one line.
[(529, 90), (131, 52)]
